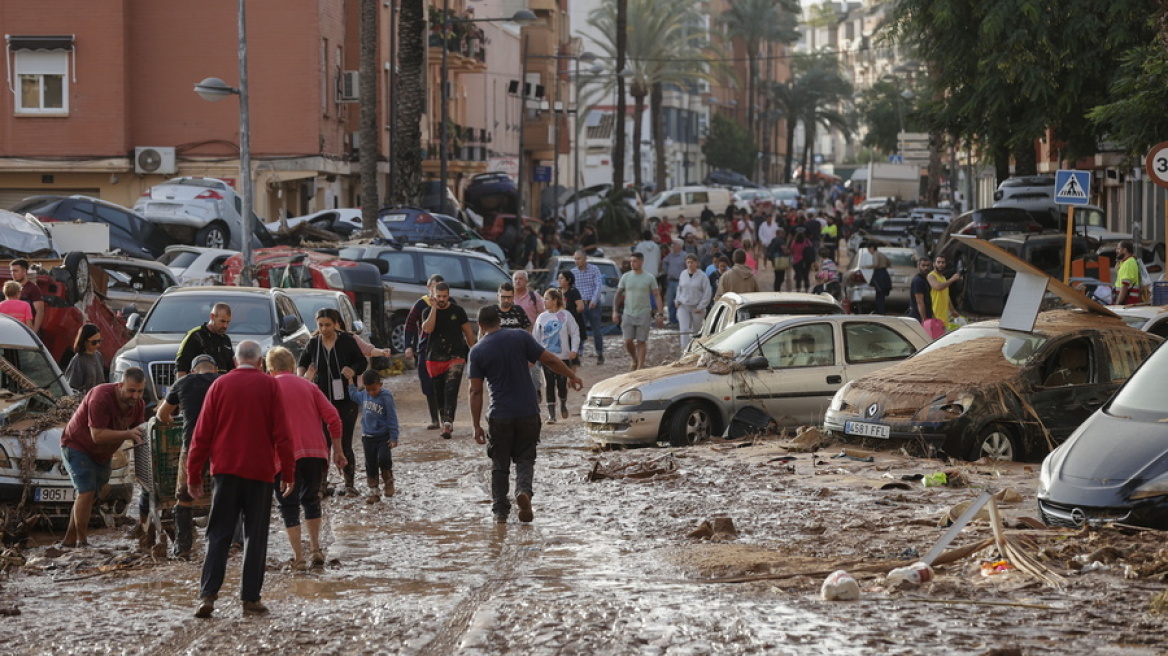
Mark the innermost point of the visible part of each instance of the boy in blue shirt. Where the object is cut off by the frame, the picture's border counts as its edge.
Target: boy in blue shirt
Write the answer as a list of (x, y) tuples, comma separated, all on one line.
[(379, 431)]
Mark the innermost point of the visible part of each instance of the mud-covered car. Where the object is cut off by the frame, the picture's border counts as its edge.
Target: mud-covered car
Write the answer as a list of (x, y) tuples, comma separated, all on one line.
[(985, 391), (35, 406), (786, 368), (733, 307), (1114, 468)]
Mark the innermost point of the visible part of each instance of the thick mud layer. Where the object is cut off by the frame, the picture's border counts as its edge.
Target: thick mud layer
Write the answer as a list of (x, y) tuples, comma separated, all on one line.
[(621, 564)]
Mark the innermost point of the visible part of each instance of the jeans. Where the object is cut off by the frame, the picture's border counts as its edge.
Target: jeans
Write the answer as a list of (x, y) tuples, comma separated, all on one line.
[(591, 317), (511, 441), (378, 456), (554, 381), (427, 385), (309, 479), (348, 411), (232, 497), (446, 391), (670, 296)]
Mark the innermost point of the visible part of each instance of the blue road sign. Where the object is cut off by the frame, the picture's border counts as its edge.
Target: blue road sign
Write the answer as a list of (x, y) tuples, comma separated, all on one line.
[(1072, 187), (896, 159), (541, 174)]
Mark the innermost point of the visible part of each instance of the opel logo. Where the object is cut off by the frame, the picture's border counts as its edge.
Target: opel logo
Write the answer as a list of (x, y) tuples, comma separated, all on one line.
[(872, 410), (1078, 516)]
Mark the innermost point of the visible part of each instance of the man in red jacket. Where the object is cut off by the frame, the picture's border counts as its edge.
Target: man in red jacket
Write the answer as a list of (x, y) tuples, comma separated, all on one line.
[(244, 432)]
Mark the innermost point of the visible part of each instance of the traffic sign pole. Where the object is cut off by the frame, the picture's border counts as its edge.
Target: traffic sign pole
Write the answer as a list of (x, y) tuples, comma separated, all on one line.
[(1071, 188), (1156, 165), (1067, 252)]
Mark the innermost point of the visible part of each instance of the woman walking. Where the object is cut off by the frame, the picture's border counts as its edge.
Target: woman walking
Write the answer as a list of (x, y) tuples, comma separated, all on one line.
[(802, 255), (85, 371), (330, 357), (574, 304), (560, 334)]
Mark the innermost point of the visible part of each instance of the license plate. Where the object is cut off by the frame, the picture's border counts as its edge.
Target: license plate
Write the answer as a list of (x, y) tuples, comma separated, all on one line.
[(54, 495), (596, 416), (865, 429)]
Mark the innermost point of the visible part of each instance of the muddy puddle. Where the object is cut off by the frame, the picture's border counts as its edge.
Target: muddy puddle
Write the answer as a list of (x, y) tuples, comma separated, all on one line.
[(609, 567)]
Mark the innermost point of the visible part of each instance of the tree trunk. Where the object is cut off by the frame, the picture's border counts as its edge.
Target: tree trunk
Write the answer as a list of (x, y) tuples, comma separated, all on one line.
[(658, 129), (1001, 154), (808, 140), (933, 190), (751, 86), (369, 136), (410, 101), (622, 44), (638, 114), (1025, 159), (789, 156)]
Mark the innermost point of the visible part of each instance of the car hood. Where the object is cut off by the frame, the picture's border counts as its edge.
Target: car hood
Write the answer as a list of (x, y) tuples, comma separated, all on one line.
[(657, 382), (156, 347), (1094, 456), (23, 235)]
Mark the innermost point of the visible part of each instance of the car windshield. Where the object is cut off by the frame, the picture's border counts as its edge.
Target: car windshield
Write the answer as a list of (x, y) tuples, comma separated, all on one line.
[(1143, 392), (785, 194), (24, 370), (739, 338), (309, 304), (178, 259), (1017, 347), (178, 313)]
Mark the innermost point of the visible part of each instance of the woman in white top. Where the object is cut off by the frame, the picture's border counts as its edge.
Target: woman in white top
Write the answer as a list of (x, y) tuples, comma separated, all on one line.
[(560, 334), (693, 295)]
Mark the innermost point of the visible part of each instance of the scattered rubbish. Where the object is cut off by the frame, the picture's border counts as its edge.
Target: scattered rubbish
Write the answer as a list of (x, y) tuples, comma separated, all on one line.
[(887, 502), (1130, 573), (783, 459), (720, 529), (912, 477), (852, 454), (950, 516), (936, 479), (958, 519), (1032, 523), (991, 567), (895, 485), (807, 439), (1159, 604), (1094, 566), (913, 576), (840, 586), (1008, 495), (910, 552), (750, 422), (665, 466)]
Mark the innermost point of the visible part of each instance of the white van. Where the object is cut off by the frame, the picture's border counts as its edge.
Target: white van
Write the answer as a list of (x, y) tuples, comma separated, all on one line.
[(688, 202)]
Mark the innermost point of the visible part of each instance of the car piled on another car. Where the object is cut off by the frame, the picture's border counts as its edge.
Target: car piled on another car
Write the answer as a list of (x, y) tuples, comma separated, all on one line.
[(201, 211)]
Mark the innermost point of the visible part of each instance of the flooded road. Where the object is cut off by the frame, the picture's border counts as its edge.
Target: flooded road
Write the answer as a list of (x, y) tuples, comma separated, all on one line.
[(609, 567)]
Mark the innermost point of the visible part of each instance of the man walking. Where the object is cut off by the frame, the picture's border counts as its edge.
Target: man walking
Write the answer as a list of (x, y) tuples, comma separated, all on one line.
[(633, 294), (674, 264), (417, 343), (210, 338), (502, 358), (590, 284), (511, 315), (108, 415), (881, 281), (920, 297), (738, 279), (450, 336), (243, 431), (187, 395)]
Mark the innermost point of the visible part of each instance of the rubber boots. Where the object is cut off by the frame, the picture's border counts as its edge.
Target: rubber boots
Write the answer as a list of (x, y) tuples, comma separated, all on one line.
[(387, 477), (184, 531)]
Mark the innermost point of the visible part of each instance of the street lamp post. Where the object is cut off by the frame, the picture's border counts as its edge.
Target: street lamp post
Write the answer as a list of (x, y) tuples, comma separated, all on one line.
[(213, 89), (521, 17)]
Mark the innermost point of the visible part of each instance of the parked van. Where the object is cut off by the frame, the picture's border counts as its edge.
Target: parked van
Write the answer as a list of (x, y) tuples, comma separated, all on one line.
[(688, 202)]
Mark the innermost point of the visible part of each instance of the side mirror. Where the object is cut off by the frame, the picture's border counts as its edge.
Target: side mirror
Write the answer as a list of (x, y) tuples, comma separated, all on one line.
[(756, 363), (358, 326), (134, 322), (289, 325)]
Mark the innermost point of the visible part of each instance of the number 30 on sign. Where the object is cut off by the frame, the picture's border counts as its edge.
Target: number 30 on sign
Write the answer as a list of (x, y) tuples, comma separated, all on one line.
[(1156, 164)]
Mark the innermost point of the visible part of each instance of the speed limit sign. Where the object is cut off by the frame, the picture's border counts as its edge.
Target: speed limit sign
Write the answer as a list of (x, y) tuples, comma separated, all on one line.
[(1156, 164)]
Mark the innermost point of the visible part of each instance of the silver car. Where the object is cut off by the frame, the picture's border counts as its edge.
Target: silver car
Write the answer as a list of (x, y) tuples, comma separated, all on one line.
[(857, 279), (201, 211), (787, 368), (132, 285), (733, 307)]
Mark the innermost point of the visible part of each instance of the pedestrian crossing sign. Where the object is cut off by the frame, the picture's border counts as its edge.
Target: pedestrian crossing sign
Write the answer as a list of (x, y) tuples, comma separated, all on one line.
[(1072, 187)]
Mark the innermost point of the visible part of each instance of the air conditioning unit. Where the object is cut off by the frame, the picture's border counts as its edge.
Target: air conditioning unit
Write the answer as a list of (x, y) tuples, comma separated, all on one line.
[(350, 87), (154, 159)]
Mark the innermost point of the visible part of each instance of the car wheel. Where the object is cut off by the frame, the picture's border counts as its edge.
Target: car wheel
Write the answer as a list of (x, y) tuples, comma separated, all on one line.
[(397, 334), (213, 236), (995, 442), (77, 264), (690, 423)]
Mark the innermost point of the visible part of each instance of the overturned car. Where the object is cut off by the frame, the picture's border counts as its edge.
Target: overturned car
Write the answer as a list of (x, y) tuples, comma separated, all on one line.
[(35, 405)]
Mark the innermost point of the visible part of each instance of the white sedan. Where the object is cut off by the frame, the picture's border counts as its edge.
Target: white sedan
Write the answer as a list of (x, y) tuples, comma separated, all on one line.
[(786, 368)]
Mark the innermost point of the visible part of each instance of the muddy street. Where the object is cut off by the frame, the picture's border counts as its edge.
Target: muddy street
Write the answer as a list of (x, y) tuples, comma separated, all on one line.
[(620, 565)]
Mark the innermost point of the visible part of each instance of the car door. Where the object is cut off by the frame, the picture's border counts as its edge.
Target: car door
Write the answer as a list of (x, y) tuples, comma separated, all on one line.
[(989, 282), (298, 339), (804, 371), (485, 278), (452, 268), (1072, 382), (695, 201)]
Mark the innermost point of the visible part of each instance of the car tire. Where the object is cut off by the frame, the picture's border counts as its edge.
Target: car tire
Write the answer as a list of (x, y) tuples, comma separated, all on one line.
[(690, 423), (995, 442), (77, 264), (397, 333), (215, 235)]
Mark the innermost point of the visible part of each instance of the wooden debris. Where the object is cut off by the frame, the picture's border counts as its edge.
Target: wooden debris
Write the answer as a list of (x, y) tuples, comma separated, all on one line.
[(665, 466)]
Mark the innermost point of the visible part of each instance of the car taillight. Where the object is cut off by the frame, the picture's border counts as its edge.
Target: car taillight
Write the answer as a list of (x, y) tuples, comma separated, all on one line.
[(970, 229), (424, 218), (210, 194)]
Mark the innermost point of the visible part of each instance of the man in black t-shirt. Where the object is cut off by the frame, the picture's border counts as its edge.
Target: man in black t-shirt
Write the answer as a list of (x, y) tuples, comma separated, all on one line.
[(511, 315), (186, 395), (450, 338), (210, 338)]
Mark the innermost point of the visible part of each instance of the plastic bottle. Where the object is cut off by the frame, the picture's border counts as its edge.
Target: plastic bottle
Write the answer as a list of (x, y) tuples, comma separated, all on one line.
[(840, 586), (909, 577)]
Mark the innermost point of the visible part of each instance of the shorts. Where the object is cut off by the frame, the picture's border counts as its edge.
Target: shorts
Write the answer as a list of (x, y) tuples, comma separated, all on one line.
[(87, 475), (635, 328)]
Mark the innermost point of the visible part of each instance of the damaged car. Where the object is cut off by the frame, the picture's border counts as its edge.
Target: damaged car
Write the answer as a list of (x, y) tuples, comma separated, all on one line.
[(783, 368), (35, 405), (984, 391), (1114, 468)]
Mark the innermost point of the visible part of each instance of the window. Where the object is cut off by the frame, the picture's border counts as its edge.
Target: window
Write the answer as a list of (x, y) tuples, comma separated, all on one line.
[(801, 346), (672, 200), (115, 219), (41, 82), (697, 198), (450, 268), (871, 342), (486, 276), (401, 266)]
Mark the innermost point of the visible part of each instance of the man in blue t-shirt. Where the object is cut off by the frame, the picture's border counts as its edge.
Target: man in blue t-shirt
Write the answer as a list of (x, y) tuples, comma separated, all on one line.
[(920, 294), (502, 358)]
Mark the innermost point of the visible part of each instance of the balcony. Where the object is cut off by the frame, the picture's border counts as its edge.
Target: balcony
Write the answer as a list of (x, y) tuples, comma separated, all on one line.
[(543, 5), (465, 44)]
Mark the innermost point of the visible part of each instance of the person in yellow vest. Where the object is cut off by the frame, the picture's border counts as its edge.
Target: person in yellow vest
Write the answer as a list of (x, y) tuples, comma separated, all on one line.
[(940, 293)]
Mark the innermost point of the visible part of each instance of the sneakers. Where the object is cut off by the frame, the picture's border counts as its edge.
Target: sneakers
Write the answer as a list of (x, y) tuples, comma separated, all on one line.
[(447, 430), (523, 500), (256, 607), (206, 607), (317, 558), (551, 413), (563, 409)]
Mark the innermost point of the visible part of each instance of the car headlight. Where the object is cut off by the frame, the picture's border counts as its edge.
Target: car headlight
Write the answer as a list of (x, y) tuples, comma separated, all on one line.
[(631, 397), (1155, 488), (946, 409), (837, 401), (120, 367), (332, 277), (1044, 474)]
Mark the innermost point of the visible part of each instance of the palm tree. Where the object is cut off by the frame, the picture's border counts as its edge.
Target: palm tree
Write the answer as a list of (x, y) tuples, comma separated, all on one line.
[(812, 97), (411, 92), (757, 23), (369, 136)]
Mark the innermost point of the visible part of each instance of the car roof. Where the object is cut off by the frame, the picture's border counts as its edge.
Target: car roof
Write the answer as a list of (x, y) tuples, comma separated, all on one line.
[(748, 298), (420, 248), (834, 318), (16, 334), (308, 291), (222, 290), (1055, 323)]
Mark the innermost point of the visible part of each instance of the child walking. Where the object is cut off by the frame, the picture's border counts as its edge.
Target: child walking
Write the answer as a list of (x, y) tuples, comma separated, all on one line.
[(560, 334), (379, 431)]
